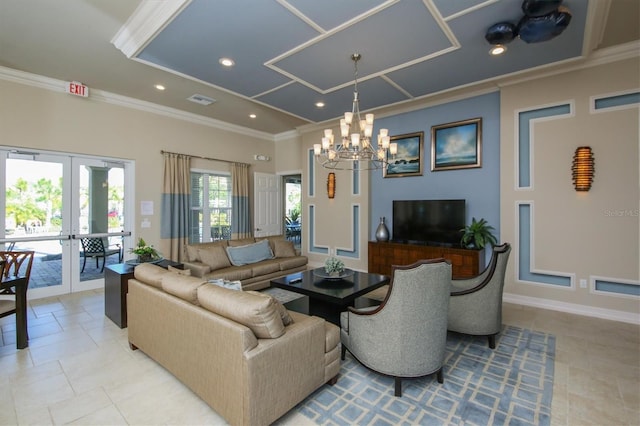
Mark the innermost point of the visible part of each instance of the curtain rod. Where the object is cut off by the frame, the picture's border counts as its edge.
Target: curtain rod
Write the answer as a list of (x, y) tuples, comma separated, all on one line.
[(204, 158)]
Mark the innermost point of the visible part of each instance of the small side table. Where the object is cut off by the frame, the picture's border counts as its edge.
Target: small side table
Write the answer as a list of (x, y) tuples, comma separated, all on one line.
[(116, 286)]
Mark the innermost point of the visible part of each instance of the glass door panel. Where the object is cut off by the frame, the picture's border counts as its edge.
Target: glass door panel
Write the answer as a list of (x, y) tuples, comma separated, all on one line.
[(51, 204), (99, 227), (34, 217)]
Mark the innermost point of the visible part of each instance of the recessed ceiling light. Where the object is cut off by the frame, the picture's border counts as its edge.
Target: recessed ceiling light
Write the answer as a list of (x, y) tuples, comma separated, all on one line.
[(498, 49), (159, 87), (320, 104), (227, 62), (252, 116)]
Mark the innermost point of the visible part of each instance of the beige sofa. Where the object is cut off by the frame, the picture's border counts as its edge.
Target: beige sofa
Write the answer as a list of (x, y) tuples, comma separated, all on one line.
[(230, 347), (211, 261)]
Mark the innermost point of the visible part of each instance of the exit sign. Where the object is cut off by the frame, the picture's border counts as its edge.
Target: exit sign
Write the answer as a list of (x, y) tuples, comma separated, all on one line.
[(78, 89)]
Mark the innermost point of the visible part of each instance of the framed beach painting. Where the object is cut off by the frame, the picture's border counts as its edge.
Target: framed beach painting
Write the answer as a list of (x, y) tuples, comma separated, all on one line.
[(409, 157), (456, 145)]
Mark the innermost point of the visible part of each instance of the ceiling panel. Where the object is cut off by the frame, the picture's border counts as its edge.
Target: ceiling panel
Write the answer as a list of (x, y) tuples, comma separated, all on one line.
[(290, 54)]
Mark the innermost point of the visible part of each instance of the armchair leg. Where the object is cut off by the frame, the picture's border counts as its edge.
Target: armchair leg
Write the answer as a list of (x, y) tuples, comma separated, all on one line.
[(398, 385), (440, 376), (492, 341)]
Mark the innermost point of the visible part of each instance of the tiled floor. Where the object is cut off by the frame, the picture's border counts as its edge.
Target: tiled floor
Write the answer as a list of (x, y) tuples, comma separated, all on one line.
[(78, 369)]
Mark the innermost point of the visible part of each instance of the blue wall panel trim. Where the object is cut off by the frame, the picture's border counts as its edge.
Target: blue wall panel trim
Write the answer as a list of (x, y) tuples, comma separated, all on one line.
[(524, 142), (312, 174), (312, 243), (524, 253), (617, 101), (355, 226), (618, 288), (356, 183)]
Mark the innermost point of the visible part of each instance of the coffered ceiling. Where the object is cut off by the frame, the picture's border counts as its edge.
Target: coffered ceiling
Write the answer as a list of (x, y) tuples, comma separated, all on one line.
[(289, 54)]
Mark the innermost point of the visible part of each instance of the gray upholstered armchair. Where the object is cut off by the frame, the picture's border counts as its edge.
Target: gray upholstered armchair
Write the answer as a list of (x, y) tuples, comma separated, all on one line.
[(406, 336), (476, 303)]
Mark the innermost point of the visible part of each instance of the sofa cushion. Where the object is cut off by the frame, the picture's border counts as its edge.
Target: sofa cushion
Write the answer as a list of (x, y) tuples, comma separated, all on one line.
[(265, 267), (182, 286), (178, 271), (283, 248), (284, 314), (215, 257), (292, 262), (150, 274), (250, 253), (272, 239), (241, 242), (232, 273), (191, 250), (260, 314)]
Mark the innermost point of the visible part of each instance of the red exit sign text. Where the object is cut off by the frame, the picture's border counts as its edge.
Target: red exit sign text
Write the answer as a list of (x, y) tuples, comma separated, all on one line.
[(78, 89)]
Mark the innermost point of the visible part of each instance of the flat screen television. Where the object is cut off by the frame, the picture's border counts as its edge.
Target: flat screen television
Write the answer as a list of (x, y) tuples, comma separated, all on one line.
[(430, 222)]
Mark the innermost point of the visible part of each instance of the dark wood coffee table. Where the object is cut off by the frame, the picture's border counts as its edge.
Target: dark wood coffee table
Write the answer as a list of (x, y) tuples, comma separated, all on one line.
[(327, 298)]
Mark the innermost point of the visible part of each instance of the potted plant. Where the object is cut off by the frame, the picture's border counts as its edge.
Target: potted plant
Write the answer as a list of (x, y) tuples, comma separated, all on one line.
[(334, 267), (145, 252), (477, 234)]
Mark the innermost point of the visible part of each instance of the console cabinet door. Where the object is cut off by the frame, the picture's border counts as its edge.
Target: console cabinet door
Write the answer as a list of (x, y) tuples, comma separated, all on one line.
[(464, 263)]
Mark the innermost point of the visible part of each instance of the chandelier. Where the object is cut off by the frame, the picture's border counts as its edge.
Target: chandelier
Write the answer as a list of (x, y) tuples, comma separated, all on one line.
[(355, 151)]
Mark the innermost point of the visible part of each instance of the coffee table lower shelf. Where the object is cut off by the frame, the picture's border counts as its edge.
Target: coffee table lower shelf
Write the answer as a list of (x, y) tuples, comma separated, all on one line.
[(328, 298), (328, 311)]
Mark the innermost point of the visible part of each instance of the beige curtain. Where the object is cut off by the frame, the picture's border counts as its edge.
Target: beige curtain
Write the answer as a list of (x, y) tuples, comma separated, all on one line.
[(176, 194), (241, 216)]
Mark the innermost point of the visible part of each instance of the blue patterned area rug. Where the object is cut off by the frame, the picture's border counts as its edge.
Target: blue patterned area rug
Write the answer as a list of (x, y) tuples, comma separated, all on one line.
[(511, 385)]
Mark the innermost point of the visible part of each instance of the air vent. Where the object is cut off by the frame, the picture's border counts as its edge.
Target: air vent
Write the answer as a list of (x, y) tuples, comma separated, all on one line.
[(201, 99)]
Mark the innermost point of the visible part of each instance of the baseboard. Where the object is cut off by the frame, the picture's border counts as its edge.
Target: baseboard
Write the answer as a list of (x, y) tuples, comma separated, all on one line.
[(572, 308)]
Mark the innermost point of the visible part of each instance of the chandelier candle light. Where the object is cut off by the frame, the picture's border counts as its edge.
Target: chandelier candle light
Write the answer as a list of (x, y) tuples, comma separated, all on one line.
[(356, 151)]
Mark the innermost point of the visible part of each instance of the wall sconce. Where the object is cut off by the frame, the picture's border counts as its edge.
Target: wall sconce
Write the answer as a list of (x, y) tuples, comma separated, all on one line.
[(331, 185), (583, 169)]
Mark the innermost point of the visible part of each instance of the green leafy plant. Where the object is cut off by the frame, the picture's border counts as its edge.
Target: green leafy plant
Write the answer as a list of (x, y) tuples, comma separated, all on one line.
[(145, 251), (333, 266), (294, 215), (477, 234)]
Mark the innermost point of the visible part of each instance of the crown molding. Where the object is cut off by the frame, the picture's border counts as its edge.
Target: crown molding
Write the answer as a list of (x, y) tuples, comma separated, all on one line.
[(149, 18), (55, 85)]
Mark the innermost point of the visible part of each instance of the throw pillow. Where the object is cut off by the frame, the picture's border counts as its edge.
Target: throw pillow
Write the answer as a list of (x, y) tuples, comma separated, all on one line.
[(214, 257), (284, 314), (257, 313), (251, 253), (232, 285), (179, 271), (283, 248)]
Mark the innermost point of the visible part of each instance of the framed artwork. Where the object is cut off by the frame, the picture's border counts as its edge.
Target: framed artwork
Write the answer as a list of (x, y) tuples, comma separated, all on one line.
[(456, 145), (408, 160)]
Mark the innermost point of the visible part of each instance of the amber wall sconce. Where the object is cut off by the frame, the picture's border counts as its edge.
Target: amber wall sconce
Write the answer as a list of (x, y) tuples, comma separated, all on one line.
[(331, 185), (583, 168)]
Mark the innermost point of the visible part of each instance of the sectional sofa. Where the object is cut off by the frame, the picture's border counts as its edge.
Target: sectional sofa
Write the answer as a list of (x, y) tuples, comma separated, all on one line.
[(252, 261), (244, 354)]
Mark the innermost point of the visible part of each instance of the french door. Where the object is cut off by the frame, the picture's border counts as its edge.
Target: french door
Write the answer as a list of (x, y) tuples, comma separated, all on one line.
[(51, 203)]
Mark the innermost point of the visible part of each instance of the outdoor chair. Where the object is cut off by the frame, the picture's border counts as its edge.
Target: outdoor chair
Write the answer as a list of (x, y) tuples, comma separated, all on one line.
[(476, 303), (406, 336), (95, 248)]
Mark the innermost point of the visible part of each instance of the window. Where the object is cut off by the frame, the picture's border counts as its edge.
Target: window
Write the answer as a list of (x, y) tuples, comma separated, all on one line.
[(210, 213)]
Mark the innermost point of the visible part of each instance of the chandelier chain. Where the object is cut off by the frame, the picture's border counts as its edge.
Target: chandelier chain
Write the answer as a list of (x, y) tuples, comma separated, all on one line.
[(356, 151)]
